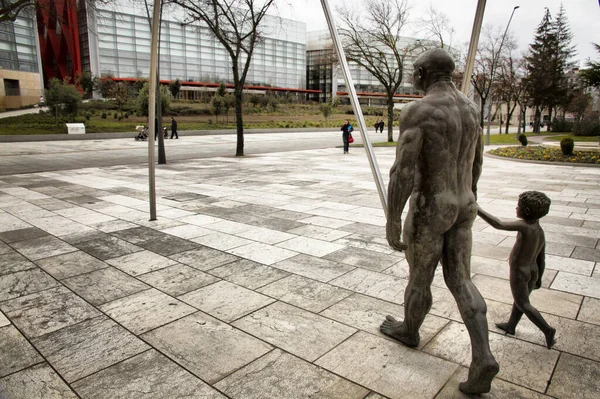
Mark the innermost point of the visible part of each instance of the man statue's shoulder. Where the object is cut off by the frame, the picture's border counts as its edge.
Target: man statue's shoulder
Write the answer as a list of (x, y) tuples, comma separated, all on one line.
[(415, 112)]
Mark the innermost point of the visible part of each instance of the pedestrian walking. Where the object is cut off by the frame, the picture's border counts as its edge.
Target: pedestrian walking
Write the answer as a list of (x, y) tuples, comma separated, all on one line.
[(346, 131), (174, 128), (381, 126)]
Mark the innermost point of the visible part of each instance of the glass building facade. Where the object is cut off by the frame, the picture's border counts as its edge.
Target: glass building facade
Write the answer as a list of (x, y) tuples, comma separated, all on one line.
[(324, 74), (18, 51), (119, 45), (20, 77)]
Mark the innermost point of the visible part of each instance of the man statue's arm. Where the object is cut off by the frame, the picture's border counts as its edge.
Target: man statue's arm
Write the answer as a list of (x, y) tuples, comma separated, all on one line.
[(402, 176), (478, 162)]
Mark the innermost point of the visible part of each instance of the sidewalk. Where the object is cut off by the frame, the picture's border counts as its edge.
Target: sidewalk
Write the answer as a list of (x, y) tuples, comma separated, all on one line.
[(268, 277)]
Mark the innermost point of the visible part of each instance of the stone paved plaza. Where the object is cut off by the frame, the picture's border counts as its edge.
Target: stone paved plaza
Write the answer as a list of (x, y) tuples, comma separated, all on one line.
[(268, 277)]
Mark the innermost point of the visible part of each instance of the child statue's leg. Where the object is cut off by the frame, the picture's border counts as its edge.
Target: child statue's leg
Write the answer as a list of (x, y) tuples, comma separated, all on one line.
[(511, 325)]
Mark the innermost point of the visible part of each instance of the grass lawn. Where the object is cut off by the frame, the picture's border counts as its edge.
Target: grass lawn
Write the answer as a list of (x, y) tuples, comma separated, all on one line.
[(190, 116), (496, 139)]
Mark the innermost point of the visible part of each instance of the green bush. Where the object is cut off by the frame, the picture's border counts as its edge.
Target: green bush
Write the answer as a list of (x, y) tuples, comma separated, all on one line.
[(103, 116), (87, 116), (561, 125), (588, 126), (566, 145), (522, 139)]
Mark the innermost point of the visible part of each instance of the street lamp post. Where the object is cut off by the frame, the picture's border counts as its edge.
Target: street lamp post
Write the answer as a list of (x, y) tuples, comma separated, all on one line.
[(489, 115)]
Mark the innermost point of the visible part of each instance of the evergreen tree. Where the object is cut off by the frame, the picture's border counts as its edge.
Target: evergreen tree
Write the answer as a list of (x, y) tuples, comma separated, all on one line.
[(547, 63), (564, 53), (539, 71), (591, 75)]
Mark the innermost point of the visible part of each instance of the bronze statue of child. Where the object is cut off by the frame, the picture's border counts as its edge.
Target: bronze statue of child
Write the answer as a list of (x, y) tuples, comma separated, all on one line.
[(527, 259)]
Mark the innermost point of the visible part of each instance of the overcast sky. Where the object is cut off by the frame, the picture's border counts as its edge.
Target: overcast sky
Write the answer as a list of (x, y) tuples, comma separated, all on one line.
[(583, 17)]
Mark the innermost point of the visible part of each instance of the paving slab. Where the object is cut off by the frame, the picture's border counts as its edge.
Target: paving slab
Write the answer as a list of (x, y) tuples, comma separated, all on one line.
[(148, 375), (84, 348), (15, 352), (226, 301), (281, 375), (297, 331), (379, 364), (37, 382), (205, 346)]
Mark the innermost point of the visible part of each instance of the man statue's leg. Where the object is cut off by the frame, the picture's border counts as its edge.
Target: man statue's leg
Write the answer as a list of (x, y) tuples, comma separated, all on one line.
[(423, 255), (456, 261)]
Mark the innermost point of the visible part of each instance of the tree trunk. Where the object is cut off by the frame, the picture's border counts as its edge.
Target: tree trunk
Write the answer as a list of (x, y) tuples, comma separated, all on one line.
[(239, 151), (509, 114), (481, 116), (520, 121), (536, 120), (549, 119), (390, 110)]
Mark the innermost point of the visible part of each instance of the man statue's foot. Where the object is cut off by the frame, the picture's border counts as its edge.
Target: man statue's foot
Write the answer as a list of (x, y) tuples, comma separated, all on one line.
[(393, 328), (506, 327), (480, 380), (550, 341)]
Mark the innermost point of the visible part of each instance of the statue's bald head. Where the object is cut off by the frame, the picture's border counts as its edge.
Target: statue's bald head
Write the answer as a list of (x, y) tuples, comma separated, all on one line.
[(431, 66)]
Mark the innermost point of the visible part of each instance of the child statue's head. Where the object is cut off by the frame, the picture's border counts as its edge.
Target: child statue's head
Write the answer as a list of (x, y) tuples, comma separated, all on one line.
[(533, 205)]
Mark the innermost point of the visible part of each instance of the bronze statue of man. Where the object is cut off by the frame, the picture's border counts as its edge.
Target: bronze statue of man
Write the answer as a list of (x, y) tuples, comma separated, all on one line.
[(438, 163)]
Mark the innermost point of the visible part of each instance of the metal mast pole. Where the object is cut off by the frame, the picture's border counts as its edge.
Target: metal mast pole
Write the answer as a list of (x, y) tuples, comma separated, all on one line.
[(356, 106), (152, 108), (473, 46)]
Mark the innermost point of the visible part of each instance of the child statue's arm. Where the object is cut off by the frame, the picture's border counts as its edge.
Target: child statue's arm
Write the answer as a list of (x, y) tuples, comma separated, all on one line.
[(541, 264), (497, 223)]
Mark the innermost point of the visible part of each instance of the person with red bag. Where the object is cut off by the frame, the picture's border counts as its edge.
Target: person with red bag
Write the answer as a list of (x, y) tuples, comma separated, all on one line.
[(347, 135)]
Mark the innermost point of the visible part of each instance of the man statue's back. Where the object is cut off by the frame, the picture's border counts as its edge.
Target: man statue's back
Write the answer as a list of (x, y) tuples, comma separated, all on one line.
[(438, 163)]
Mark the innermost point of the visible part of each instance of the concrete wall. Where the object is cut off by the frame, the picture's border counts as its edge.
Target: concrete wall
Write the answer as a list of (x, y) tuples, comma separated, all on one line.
[(29, 87)]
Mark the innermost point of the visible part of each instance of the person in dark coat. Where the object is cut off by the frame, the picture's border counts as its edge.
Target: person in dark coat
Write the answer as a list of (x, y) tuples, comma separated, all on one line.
[(174, 128), (346, 130), (381, 126)]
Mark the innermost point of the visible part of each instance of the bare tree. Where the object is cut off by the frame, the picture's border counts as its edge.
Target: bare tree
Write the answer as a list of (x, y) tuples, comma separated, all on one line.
[(371, 38), (487, 62), (236, 25), (11, 9), (509, 85), (437, 26)]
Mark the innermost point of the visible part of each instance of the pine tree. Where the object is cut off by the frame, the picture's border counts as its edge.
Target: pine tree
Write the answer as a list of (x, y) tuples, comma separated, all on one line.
[(564, 53), (591, 75), (540, 64)]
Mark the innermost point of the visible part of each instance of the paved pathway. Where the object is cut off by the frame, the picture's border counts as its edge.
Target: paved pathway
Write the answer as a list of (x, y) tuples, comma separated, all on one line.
[(27, 157), (267, 277)]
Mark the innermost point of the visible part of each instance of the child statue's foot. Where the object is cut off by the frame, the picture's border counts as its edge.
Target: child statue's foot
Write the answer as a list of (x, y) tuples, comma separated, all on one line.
[(480, 380), (393, 328), (550, 341), (506, 327)]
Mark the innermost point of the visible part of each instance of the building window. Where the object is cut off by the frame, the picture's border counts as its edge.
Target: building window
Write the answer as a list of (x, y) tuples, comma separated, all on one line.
[(11, 87)]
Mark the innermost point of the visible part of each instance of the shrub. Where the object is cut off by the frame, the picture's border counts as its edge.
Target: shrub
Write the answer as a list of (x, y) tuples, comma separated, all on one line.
[(566, 145), (561, 125), (522, 139), (588, 126), (115, 116), (103, 116), (88, 116)]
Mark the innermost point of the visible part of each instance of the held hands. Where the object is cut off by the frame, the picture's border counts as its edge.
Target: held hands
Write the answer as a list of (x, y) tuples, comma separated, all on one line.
[(393, 234)]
